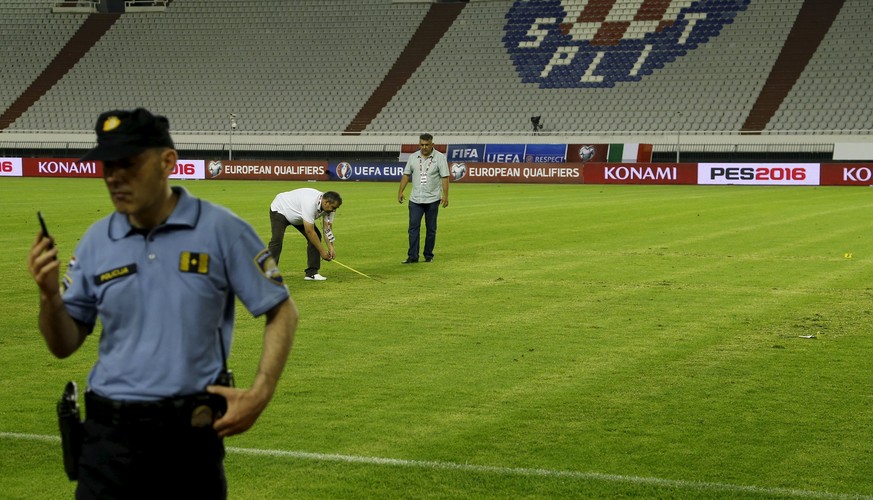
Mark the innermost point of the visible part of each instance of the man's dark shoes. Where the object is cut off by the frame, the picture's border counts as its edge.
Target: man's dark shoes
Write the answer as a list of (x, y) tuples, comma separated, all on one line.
[(428, 259), (409, 261)]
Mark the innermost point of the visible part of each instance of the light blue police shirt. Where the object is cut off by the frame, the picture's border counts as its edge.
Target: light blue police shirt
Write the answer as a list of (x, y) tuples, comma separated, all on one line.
[(164, 299)]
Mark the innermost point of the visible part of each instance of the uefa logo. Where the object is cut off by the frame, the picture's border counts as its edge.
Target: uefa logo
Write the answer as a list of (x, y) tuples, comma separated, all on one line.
[(596, 43), (214, 168), (458, 170), (343, 170), (586, 153)]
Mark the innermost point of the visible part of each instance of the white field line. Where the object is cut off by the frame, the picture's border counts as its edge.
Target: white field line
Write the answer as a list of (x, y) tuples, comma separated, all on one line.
[(507, 471)]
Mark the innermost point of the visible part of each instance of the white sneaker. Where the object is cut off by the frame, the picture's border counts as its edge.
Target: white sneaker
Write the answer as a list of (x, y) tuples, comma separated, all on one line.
[(316, 277)]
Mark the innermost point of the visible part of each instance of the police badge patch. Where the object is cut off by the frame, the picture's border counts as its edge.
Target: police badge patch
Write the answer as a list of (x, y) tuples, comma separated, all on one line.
[(596, 43), (267, 264)]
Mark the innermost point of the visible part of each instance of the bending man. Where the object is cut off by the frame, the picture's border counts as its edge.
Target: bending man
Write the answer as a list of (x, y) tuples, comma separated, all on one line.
[(300, 208)]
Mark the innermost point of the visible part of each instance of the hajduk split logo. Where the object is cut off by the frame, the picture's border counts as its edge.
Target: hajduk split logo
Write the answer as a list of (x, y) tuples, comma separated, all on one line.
[(596, 43)]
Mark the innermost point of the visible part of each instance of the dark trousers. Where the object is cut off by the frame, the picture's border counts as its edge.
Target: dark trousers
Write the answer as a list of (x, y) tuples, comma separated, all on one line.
[(416, 211), (278, 225), (150, 460)]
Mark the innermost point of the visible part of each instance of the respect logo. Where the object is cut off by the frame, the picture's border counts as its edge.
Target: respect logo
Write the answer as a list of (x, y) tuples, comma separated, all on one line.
[(596, 43)]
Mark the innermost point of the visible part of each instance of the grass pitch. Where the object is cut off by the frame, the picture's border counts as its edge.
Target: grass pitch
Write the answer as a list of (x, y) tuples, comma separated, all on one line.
[(568, 341)]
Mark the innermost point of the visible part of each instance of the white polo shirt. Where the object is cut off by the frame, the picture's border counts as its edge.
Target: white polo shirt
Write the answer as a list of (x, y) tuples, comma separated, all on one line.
[(299, 206)]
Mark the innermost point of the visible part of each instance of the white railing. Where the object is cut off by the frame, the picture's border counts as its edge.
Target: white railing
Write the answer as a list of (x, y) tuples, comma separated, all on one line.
[(300, 140)]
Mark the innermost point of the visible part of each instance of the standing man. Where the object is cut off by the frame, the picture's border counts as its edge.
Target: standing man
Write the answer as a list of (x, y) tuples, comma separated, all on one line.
[(300, 208), (161, 273), (429, 173)]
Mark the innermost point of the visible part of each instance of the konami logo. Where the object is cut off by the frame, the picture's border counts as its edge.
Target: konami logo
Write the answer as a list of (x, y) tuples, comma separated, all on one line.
[(625, 173), (857, 174), (63, 168)]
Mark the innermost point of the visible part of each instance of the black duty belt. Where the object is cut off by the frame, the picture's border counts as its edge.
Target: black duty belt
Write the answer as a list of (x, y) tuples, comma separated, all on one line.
[(197, 410)]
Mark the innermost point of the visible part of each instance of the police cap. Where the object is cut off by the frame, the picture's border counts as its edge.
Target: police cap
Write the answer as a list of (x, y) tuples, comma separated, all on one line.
[(122, 134)]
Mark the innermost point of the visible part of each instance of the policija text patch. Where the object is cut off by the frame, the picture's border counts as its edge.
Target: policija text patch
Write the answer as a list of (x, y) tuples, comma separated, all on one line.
[(118, 272)]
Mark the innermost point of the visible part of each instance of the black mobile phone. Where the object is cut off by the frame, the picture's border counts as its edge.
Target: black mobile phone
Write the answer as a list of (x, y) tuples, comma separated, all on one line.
[(45, 231)]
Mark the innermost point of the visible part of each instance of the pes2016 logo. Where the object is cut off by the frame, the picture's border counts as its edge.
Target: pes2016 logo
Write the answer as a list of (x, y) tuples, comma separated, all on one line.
[(596, 43)]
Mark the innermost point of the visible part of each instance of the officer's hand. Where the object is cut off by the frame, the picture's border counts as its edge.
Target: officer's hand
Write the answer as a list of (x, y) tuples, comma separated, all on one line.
[(243, 409), (400, 198), (43, 263)]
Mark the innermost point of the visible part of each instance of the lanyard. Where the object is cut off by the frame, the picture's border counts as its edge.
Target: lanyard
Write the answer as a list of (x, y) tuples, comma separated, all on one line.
[(422, 171)]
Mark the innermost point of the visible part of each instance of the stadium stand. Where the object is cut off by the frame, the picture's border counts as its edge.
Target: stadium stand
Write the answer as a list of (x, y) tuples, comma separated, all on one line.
[(833, 92), (284, 67), (385, 70)]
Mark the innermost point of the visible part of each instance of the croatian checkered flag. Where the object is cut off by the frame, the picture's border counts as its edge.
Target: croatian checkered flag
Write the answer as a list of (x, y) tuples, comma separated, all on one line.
[(596, 43)]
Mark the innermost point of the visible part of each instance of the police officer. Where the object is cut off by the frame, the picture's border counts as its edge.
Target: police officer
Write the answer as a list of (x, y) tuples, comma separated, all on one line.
[(161, 273)]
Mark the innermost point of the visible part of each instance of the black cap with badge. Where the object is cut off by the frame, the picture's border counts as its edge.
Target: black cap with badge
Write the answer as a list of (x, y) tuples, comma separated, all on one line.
[(122, 134)]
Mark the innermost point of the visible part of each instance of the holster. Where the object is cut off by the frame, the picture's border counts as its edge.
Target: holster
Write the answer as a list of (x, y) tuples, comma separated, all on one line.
[(225, 378), (72, 429)]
